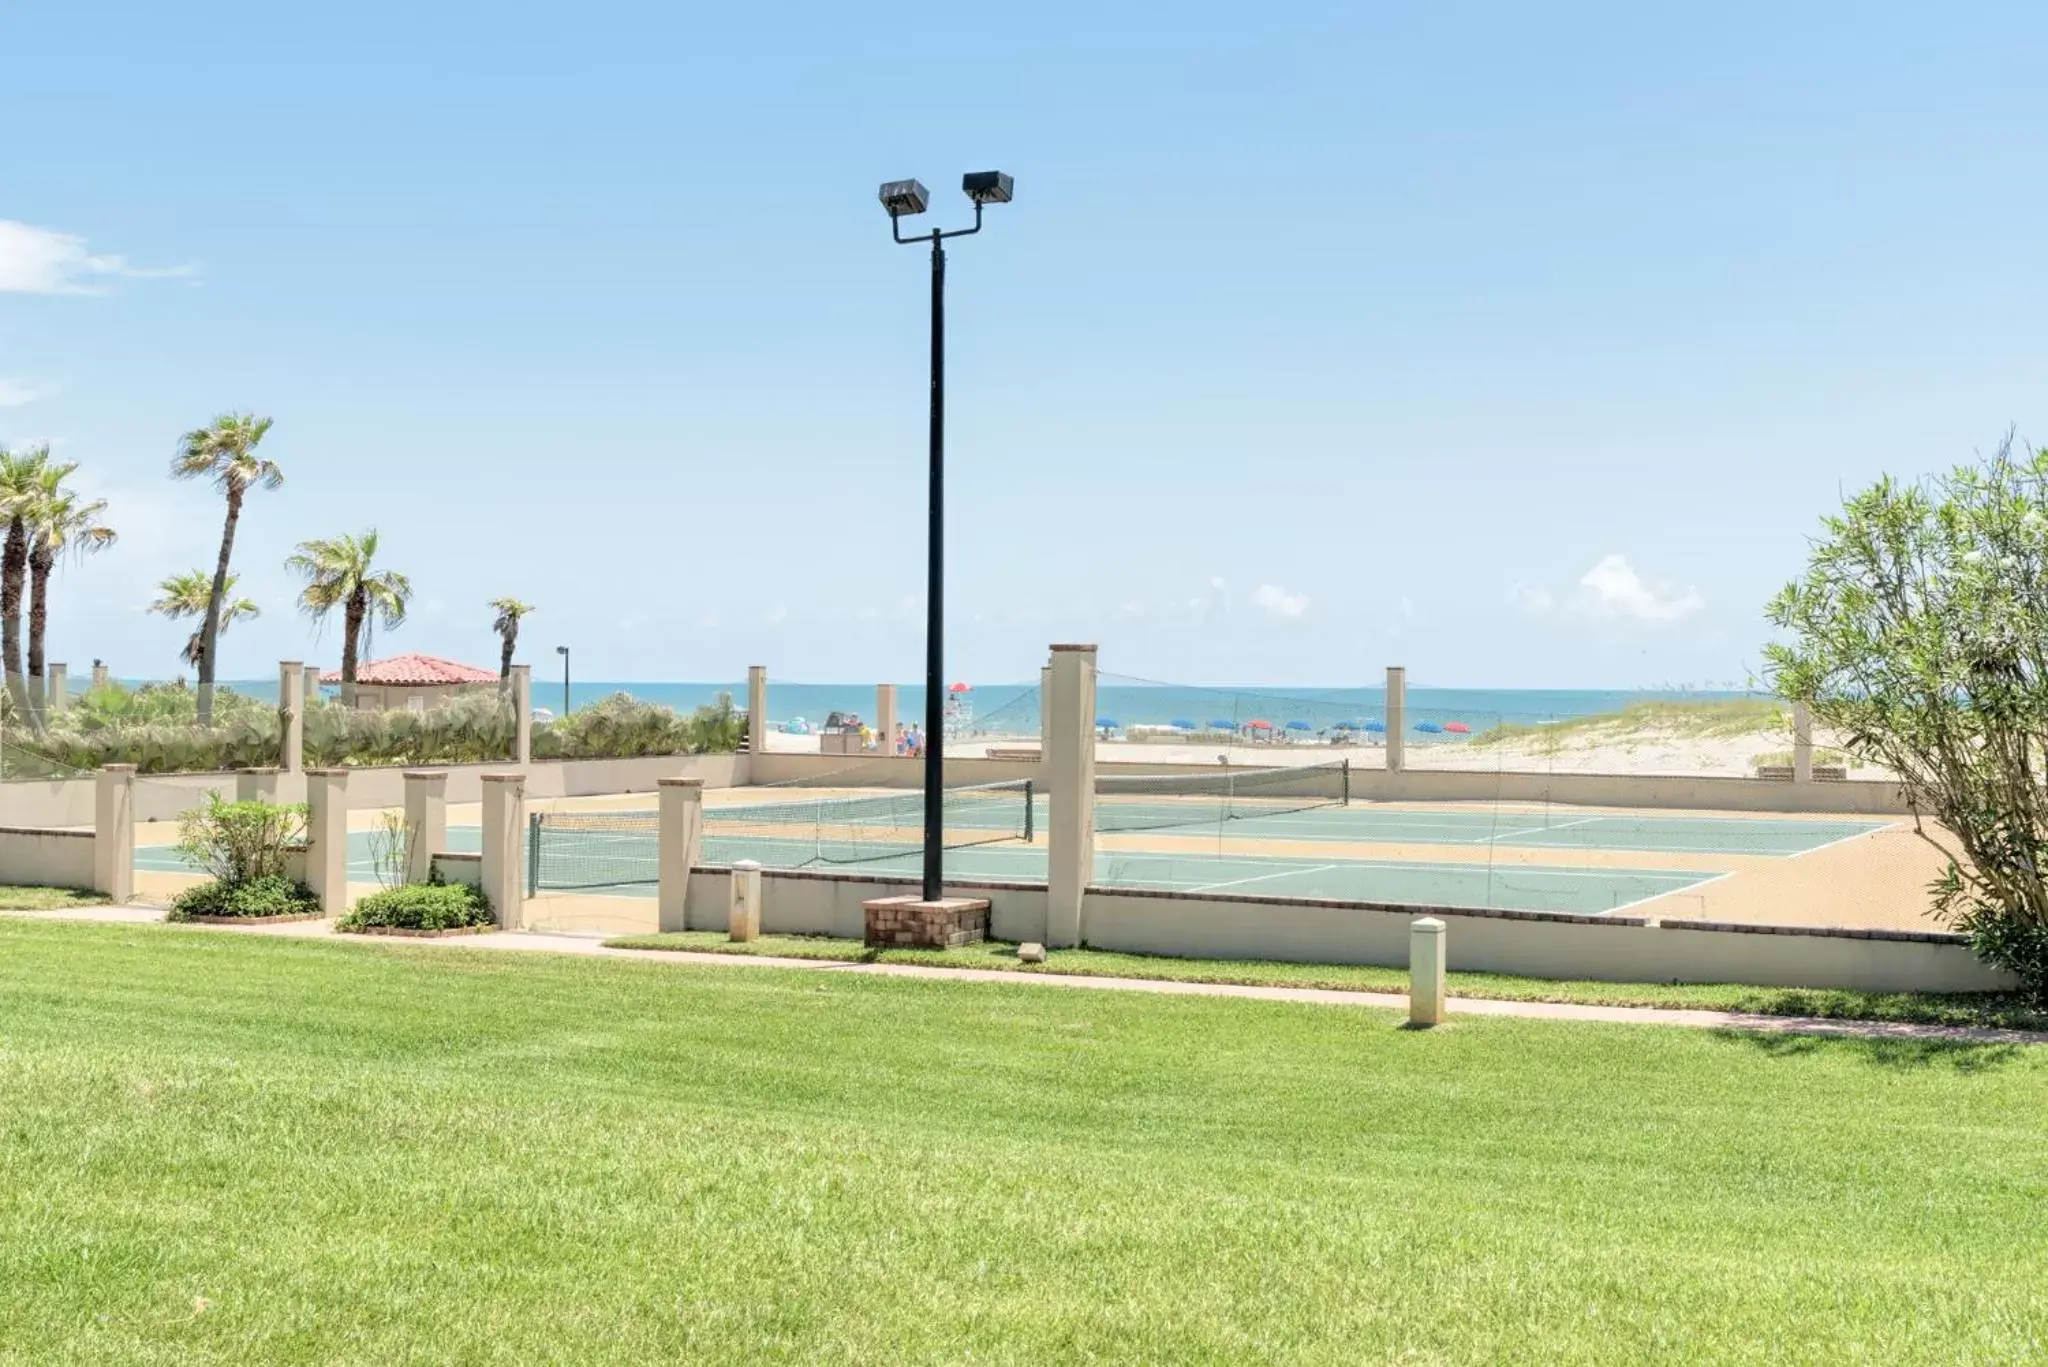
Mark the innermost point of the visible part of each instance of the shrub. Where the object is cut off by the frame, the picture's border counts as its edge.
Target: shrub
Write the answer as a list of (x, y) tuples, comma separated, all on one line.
[(271, 895), (1916, 634), (240, 842), (623, 727), (421, 906)]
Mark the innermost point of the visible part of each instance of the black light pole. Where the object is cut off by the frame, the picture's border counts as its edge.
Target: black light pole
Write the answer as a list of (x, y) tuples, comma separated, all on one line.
[(563, 651), (905, 199)]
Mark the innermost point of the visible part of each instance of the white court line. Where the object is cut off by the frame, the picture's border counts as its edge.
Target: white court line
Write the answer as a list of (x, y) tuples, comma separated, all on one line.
[(1277, 873), (1683, 887), (1533, 830), (1859, 835)]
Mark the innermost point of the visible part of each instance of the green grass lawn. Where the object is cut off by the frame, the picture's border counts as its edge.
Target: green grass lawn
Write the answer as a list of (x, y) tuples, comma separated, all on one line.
[(1981, 1008), (48, 899), (231, 1148)]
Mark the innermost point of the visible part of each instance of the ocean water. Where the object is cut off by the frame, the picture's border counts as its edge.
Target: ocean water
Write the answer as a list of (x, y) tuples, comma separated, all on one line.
[(1012, 709)]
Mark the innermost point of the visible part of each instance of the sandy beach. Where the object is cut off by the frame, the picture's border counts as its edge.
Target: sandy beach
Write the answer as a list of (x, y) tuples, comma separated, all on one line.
[(1595, 749)]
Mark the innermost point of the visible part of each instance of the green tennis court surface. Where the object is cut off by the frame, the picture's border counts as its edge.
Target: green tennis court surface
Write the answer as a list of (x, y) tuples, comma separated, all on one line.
[(622, 863), (630, 859)]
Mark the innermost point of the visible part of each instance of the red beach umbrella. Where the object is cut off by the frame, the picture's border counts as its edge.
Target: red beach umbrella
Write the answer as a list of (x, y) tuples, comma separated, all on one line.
[(960, 688), (1458, 728), (1258, 725)]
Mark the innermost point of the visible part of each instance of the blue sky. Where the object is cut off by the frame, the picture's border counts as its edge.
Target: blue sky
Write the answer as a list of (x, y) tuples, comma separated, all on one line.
[(1524, 347)]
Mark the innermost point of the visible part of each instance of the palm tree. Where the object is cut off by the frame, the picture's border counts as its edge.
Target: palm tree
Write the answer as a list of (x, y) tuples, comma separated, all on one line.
[(506, 624), (59, 521), (225, 453), (20, 476), (186, 595), (338, 574)]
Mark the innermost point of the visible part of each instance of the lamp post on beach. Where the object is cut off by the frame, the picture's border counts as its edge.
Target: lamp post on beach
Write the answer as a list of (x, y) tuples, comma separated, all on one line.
[(906, 199), (563, 651)]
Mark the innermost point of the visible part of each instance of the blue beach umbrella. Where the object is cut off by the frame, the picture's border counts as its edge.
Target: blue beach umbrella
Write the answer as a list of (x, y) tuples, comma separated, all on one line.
[(1299, 726), (1223, 725), (1428, 728), (1374, 726), (1181, 724), (1106, 723)]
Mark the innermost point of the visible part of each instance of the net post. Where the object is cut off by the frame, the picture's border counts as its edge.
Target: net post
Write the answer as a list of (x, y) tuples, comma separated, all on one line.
[(1028, 811), (1346, 781)]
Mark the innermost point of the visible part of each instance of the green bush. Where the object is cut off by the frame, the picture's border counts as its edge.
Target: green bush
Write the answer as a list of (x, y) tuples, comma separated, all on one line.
[(623, 727), (240, 842), (473, 727), (270, 895), (421, 906)]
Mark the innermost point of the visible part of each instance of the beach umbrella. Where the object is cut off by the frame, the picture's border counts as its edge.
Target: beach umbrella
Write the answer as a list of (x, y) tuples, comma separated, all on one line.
[(960, 688), (1458, 728), (1259, 724), (1344, 726), (1181, 724), (1224, 725), (1428, 728), (1299, 726), (1375, 726), (1106, 723)]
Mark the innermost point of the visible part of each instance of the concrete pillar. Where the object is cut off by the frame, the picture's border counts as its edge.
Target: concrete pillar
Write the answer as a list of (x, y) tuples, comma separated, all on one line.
[(258, 785), (1045, 712), (757, 709), (99, 674), (504, 861), (291, 707), (1426, 946), (426, 821), (1070, 773), (743, 902), (885, 718), (522, 714), (678, 841), (310, 687), (1802, 743), (1397, 713), (327, 838), (59, 688), (113, 832)]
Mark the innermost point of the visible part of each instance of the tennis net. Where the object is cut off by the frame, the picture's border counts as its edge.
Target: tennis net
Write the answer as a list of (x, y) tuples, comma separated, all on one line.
[(569, 850), (1152, 802)]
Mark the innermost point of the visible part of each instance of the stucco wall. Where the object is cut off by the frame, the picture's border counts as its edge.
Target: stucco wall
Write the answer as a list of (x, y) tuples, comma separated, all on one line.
[(1533, 944), (46, 858)]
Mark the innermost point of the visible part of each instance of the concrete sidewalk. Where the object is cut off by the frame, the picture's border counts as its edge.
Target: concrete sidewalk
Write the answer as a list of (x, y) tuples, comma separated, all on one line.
[(541, 942)]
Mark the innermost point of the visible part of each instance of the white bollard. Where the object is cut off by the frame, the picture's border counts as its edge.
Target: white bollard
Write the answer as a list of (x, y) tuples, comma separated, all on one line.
[(743, 910), (1426, 945)]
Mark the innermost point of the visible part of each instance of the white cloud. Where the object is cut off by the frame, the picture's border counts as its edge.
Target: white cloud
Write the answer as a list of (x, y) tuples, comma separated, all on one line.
[(1612, 588), (15, 393), (44, 261), (1278, 602), (1533, 600)]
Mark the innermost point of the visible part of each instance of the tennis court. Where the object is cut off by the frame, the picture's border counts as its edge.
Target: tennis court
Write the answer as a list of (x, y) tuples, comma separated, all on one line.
[(1176, 834), (1294, 835)]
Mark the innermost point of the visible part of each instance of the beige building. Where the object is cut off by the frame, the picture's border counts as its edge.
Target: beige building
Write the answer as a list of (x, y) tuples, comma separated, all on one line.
[(412, 682)]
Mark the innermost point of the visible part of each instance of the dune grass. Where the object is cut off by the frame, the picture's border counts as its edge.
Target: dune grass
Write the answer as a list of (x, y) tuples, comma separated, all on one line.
[(24, 898), (242, 1149), (1703, 719), (1932, 1008)]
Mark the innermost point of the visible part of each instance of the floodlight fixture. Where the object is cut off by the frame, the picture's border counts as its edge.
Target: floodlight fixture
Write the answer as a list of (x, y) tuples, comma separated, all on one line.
[(986, 187), (904, 198)]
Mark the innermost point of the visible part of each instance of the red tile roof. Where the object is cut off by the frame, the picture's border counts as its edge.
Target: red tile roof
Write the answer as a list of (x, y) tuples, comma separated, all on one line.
[(415, 671)]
